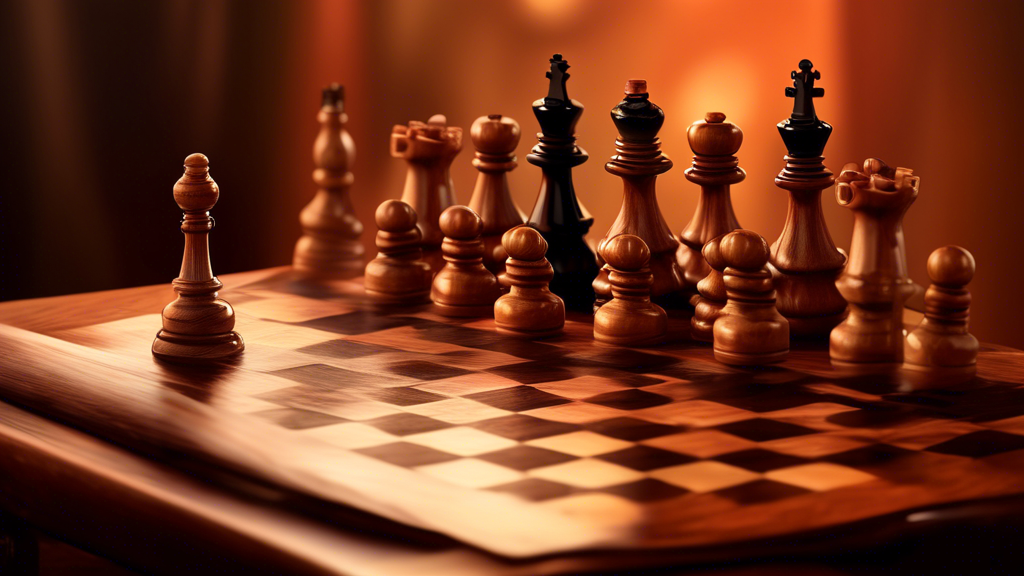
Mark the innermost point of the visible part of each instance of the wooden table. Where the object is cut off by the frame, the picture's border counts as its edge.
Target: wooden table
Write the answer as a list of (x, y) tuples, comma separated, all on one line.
[(350, 441)]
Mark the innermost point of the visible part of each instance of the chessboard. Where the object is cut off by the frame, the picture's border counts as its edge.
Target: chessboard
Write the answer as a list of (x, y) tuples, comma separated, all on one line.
[(520, 448)]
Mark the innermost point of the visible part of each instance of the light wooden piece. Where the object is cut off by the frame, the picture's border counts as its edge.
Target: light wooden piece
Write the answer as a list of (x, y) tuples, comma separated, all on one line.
[(715, 169), (495, 138), (329, 246), (941, 342), (629, 318), (875, 281), (639, 161), (711, 293), (529, 309), (398, 275), (750, 331), (804, 260), (429, 150), (197, 326), (464, 287)]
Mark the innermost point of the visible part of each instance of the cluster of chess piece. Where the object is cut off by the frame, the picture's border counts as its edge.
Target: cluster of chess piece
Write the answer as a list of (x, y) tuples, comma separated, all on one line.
[(490, 258)]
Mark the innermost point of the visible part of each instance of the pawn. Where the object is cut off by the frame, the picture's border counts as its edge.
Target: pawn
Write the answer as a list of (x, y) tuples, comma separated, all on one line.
[(529, 309), (629, 318), (941, 342), (464, 287), (749, 330), (197, 326), (495, 138), (398, 275), (711, 296)]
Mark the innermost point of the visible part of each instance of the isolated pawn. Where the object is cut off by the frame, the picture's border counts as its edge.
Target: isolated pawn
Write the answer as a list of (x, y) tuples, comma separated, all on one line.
[(529, 309), (197, 326), (941, 342), (398, 275), (711, 293), (629, 318), (749, 331), (464, 287), (495, 138)]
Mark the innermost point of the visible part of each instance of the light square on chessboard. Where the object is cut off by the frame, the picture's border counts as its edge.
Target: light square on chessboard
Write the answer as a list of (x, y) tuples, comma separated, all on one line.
[(458, 411), (471, 473), (350, 435), (461, 440), (696, 413), (819, 476), (599, 509), (830, 388), (927, 433), (128, 336), (466, 384), (280, 335), (811, 415), (580, 443), (1014, 424), (704, 476), (586, 473), (354, 410), (676, 390), (407, 339), (581, 387), (291, 308), (577, 413), (818, 445), (700, 443)]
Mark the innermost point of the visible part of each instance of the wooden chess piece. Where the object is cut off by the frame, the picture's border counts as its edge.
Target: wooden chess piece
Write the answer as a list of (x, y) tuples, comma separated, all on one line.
[(750, 331), (495, 139), (529, 309), (711, 293), (557, 214), (941, 342), (464, 287), (329, 246), (639, 161), (629, 318), (874, 281), (197, 326), (805, 261), (715, 169), (398, 275), (429, 150)]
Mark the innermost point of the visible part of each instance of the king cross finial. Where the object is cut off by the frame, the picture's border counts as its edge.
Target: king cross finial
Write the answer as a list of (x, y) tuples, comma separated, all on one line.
[(557, 75), (803, 91)]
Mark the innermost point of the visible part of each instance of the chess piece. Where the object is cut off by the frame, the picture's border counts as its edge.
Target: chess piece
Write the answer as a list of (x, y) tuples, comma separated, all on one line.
[(629, 318), (557, 214), (750, 331), (529, 309), (715, 168), (874, 281), (329, 246), (639, 161), (941, 342), (398, 275), (197, 326), (711, 291), (495, 139), (805, 261), (464, 287), (429, 150)]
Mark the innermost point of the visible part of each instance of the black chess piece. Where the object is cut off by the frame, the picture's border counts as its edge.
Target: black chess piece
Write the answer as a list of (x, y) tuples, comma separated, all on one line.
[(557, 214)]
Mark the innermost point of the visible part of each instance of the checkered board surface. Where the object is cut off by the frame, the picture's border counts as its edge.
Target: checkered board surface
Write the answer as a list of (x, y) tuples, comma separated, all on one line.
[(660, 446)]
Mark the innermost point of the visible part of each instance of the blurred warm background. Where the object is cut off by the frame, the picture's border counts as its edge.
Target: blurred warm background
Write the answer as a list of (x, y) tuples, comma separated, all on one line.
[(102, 100)]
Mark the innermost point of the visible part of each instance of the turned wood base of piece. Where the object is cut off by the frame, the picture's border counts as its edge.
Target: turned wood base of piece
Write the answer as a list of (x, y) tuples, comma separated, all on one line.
[(184, 349), (450, 311), (740, 359)]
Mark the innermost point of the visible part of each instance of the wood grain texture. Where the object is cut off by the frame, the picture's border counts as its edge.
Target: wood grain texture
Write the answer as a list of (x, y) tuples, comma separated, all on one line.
[(629, 318), (941, 343), (464, 287), (529, 309), (398, 275)]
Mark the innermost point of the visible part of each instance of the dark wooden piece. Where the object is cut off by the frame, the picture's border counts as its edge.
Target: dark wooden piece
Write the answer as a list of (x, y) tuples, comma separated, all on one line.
[(330, 246), (715, 168), (429, 150), (530, 308), (197, 326), (398, 275), (495, 138), (711, 293), (639, 161), (557, 214), (464, 287), (629, 318), (749, 331), (941, 343), (804, 260), (875, 281)]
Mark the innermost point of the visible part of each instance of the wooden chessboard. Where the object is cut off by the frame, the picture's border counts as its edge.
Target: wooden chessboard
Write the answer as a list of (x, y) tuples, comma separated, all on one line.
[(519, 448)]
